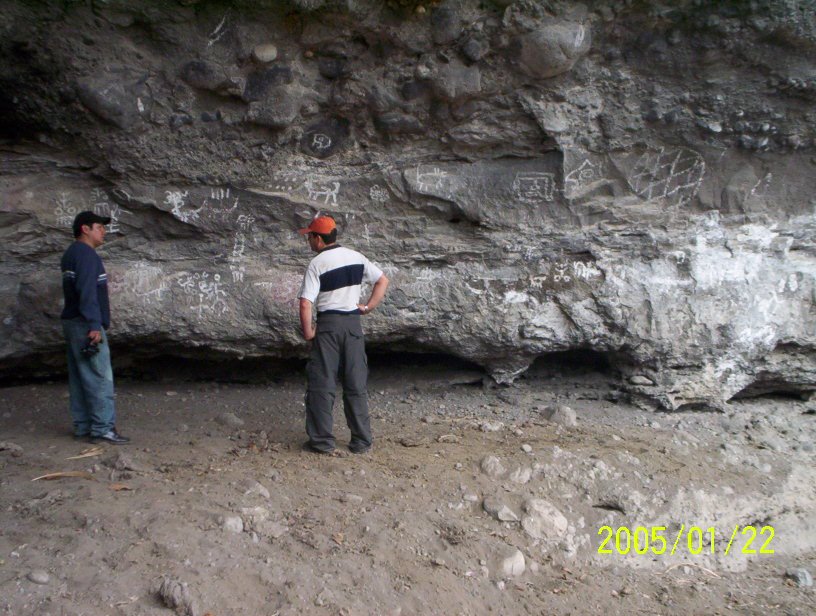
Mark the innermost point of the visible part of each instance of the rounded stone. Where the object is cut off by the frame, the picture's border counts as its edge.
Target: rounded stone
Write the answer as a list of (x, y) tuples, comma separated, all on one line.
[(474, 50), (492, 467), (230, 420), (553, 49), (233, 524), (203, 75), (446, 25), (561, 414), (265, 53), (39, 576)]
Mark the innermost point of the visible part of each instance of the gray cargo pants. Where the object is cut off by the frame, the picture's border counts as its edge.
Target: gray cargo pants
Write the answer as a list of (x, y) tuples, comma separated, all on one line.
[(338, 350)]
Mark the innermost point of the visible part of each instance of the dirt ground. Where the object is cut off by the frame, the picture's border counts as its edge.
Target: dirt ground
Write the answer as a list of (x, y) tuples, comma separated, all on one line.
[(472, 502)]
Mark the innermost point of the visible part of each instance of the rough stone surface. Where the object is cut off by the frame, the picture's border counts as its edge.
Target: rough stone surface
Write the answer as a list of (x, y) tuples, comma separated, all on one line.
[(500, 511), (125, 462), (543, 520), (256, 488), (456, 82), (204, 75), (280, 107), (521, 475), (38, 576), (492, 467), (590, 185), (513, 565), (800, 576), (233, 524), (398, 123), (446, 25), (261, 81), (271, 529), (491, 426), (553, 49), (252, 517), (474, 50), (230, 420), (177, 596), (12, 449), (117, 102), (560, 414)]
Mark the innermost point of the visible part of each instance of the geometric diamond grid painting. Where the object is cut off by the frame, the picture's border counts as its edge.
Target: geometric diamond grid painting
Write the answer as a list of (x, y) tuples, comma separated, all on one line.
[(674, 175)]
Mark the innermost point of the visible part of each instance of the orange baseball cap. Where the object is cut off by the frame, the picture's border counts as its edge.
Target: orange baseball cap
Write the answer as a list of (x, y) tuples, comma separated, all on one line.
[(322, 225)]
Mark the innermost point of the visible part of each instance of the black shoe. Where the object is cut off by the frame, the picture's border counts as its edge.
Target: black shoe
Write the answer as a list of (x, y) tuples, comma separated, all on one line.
[(83, 437), (307, 446), (112, 437), (359, 450)]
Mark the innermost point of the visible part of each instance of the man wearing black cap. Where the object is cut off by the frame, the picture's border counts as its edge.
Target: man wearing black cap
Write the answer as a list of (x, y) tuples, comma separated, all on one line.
[(332, 284), (85, 318)]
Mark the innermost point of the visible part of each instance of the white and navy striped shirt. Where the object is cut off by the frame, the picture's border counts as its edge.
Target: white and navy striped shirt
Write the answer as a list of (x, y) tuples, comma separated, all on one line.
[(334, 280)]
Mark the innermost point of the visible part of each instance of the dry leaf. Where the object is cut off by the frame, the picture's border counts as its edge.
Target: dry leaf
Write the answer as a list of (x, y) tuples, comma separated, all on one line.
[(338, 538), (61, 474), (88, 453), (118, 487)]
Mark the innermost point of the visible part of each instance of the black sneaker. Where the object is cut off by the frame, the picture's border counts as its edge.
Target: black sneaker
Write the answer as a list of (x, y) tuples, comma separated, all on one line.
[(112, 437), (356, 449), (307, 446)]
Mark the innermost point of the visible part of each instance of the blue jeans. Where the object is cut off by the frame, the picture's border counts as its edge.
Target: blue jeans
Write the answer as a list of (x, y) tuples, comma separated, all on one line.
[(90, 382)]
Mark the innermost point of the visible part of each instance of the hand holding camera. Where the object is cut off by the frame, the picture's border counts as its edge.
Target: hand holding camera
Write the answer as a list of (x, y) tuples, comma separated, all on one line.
[(89, 350), (91, 347)]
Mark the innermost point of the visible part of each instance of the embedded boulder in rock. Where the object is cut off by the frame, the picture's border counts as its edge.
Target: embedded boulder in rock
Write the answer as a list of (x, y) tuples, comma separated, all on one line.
[(260, 82), (455, 81), (553, 49), (118, 102), (205, 75), (279, 108)]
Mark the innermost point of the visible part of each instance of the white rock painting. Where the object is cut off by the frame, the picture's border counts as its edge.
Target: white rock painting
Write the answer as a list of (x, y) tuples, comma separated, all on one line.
[(671, 174)]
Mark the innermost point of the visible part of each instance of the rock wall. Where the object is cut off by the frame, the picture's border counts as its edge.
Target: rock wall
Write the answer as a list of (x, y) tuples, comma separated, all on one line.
[(634, 179)]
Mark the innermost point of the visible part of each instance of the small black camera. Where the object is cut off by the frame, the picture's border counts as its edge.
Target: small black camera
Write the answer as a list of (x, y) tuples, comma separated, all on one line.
[(89, 350)]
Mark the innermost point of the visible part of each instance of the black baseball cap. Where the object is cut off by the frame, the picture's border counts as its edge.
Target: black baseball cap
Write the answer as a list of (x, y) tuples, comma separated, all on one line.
[(88, 218)]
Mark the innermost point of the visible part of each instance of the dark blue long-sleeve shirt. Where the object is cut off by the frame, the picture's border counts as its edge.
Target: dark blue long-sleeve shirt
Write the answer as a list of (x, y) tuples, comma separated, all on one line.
[(85, 286)]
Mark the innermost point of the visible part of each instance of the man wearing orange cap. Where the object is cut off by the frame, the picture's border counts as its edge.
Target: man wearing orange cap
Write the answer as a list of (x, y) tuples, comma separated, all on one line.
[(333, 283)]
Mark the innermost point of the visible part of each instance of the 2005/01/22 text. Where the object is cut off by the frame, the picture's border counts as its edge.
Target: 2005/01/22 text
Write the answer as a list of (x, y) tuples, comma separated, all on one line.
[(698, 540)]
